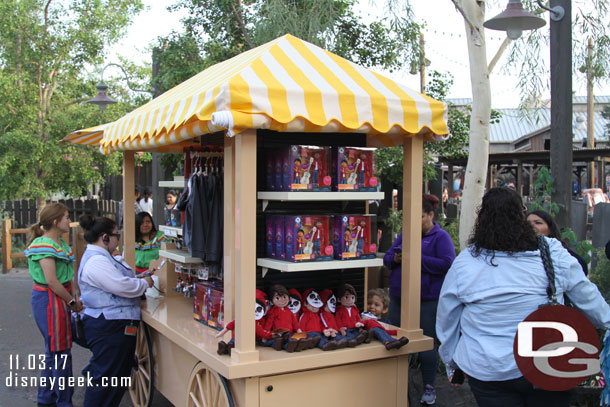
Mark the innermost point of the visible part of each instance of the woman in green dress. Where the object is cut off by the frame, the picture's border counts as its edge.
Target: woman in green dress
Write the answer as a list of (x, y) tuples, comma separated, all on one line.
[(50, 262), (148, 241)]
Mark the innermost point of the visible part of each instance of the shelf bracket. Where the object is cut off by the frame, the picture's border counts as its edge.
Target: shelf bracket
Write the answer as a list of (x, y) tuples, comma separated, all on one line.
[(265, 203), (265, 271)]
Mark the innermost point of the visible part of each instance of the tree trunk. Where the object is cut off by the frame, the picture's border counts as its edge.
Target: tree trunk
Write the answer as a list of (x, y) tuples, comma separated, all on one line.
[(476, 170)]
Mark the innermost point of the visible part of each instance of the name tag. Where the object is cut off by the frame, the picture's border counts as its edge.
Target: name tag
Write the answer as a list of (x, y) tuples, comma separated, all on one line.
[(131, 330)]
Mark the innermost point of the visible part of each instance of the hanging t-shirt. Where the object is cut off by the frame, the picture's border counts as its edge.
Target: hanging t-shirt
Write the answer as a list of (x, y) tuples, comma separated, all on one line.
[(149, 251), (43, 247)]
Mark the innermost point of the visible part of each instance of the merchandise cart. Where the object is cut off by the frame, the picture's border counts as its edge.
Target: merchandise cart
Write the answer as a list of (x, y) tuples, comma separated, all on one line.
[(285, 86)]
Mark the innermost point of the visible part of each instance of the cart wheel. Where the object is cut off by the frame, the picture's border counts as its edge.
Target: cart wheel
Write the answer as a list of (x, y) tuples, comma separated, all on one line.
[(208, 389), (141, 389)]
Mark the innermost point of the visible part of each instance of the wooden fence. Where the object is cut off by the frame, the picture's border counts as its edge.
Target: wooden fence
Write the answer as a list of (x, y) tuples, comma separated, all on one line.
[(74, 238)]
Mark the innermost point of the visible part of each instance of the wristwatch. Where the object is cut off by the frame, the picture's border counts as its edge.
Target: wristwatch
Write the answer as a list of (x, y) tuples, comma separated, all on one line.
[(72, 302)]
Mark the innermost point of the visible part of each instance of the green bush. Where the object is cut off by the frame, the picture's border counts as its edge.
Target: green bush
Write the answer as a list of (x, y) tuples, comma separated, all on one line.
[(601, 274)]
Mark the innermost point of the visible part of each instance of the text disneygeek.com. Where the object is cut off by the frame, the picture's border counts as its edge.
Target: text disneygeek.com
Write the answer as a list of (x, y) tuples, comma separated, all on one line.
[(24, 372)]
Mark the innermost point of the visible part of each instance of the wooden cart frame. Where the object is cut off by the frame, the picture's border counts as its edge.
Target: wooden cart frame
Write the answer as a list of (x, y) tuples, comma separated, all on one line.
[(177, 355)]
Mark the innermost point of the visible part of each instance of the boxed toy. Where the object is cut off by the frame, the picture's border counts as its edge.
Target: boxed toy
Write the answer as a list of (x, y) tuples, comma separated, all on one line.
[(354, 169), (307, 237), (269, 172), (355, 236), (208, 303), (270, 236), (309, 169), (280, 250)]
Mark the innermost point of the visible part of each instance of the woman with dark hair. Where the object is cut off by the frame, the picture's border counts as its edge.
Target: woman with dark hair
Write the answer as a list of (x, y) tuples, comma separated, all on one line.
[(437, 254), (146, 202), (490, 288), (544, 224), (111, 295), (148, 241), (172, 214), (50, 262)]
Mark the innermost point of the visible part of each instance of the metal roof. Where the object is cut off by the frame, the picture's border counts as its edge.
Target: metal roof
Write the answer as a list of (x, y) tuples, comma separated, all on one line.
[(515, 124)]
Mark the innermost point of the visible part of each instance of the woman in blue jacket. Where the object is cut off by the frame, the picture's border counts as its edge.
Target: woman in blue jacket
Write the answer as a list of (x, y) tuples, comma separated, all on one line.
[(437, 255)]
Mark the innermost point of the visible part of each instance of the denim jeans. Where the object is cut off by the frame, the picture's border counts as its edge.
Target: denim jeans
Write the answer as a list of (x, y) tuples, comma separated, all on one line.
[(515, 393)]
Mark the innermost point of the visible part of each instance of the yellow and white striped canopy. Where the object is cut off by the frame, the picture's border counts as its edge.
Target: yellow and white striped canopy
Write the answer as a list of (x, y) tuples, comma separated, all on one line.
[(287, 85)]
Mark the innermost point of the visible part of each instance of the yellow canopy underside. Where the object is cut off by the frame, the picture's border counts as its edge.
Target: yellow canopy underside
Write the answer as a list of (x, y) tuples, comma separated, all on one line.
[(287, 85)]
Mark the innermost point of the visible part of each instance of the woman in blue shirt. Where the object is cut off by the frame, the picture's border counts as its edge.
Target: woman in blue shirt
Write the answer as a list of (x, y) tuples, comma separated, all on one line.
[(491, 287)]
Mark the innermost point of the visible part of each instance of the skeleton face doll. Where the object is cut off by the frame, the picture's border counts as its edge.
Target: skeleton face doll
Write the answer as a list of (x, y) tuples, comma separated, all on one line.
[(313, 301), (331, 304), (294, 305)]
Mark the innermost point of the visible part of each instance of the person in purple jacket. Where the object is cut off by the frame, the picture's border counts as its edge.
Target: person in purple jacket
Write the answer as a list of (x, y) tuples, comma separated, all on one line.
[(437, 255)]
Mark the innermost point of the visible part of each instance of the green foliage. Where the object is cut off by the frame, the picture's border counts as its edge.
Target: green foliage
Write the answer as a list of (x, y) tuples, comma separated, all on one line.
[(43, 47), (180, 58), (606, 115), (172, 163), (600, 275), (583, 247), (453, 228), (543, 189), (394, 220)]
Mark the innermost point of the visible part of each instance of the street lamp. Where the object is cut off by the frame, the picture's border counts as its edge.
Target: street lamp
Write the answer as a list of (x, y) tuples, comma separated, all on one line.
[(513, 21), (102, 99)]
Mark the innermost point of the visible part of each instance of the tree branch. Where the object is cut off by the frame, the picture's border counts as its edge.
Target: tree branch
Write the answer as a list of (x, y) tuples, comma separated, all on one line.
[(476, 33), (240, 22)]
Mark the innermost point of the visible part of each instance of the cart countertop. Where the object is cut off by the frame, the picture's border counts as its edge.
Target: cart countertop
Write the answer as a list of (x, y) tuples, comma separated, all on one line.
[(172, 317)]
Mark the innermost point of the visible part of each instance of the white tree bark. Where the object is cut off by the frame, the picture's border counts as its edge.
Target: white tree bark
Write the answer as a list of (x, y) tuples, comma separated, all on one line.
[(473, 12)]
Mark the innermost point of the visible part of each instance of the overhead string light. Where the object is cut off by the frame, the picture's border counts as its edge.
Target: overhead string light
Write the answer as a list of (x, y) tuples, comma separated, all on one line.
[(459, 35)]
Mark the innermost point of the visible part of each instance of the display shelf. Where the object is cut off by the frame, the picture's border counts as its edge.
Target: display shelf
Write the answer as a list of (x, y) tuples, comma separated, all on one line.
[(180, 256), (288, 266), (171, 184), (171, 231), (267, 196)]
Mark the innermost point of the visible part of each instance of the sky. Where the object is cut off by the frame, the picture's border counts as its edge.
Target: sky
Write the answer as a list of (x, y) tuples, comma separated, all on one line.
[(445, 46)]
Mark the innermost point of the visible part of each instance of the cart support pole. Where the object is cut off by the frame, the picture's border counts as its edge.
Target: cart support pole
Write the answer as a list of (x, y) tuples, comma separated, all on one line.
[(229, 229), (411, 233), (129, 221), (245, 246)]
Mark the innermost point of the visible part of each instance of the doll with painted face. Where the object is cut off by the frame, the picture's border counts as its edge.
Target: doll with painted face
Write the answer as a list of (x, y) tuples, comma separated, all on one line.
[(295, 302), (329, 323), (281, 319), (348, 316), (263, 336), (311, 322)]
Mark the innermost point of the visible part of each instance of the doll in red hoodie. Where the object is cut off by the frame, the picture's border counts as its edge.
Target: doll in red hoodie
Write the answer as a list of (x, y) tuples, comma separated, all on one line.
[(281, 319), (311, 322), (329, 323), (295, 303), (348, 316), (262, 335)]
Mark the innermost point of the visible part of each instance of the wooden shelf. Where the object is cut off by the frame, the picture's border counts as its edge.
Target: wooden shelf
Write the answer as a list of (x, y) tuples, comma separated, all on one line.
[(180, 256), (171, 231), (319, 196), (288, 266)]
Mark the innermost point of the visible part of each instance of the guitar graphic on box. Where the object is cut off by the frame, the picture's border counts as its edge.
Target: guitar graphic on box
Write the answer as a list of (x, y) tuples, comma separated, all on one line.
[(353, 176), (309, 245), (306, 178)]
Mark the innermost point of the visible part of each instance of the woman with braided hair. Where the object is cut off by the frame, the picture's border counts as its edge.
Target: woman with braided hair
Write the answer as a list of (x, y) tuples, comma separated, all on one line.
[(494, 285)]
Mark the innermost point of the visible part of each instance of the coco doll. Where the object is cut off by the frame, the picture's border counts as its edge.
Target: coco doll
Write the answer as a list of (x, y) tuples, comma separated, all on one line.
[(348, 316), (295, 302), (280, 318), (262, 335), (329, 323), (311, 322)]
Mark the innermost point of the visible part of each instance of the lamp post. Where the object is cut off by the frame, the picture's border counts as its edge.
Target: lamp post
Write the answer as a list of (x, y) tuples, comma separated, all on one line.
[(512, 21), (102, 99)]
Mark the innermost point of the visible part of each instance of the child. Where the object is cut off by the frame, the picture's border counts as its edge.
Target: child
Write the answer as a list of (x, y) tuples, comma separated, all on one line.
[(377, 305), (348, 316), (280, 318)]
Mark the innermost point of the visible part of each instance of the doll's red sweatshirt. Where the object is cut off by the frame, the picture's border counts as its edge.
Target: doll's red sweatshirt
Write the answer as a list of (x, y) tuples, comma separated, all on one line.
[(347, 317), (281, 318)]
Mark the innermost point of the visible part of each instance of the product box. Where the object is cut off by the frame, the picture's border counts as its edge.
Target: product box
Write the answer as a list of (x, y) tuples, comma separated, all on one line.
[(309, 168), (269, 172), (354, 169), (280, 249), (307, 238), (208, 303), (270, 236), (355, 237)]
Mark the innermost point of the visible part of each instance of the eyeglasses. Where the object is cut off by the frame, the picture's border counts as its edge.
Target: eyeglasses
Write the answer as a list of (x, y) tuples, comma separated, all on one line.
[(117, 235)]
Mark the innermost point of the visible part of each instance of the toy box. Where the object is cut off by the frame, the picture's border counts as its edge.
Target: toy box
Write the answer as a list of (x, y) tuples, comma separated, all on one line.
[(208, 303), (307, 238), (355, 237), (270, 172), (354, 169), (280, 250), (309, 169), (270, 236)]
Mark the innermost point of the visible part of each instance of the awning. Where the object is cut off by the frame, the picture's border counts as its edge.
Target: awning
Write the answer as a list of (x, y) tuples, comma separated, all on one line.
[(287, 85)]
